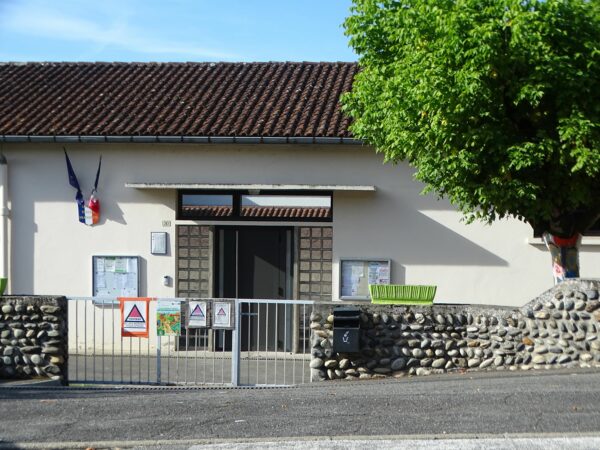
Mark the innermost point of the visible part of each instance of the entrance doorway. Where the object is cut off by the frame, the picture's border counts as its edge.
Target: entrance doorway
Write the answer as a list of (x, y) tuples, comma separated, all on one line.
[(253, 262), (256, 263)]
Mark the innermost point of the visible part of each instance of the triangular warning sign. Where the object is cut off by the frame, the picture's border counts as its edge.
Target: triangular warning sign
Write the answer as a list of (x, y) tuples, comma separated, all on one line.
[(197, 312), (134, 315), (221, 312)]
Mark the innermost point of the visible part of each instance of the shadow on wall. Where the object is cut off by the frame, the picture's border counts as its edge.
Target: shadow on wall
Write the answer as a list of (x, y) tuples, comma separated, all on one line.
[(143, 277), (24, 213), (417, 239), (399, 273), (111, 212), (433, 243), (27, 226)]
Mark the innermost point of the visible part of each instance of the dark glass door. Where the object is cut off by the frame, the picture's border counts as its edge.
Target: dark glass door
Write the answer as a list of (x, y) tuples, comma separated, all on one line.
[(255, 263), (262, 263)]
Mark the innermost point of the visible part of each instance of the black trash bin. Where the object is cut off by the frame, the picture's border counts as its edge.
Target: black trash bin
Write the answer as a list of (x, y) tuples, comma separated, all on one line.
[(346, 329)]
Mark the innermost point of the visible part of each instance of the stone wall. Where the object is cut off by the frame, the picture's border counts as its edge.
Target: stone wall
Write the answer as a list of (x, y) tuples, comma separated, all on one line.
[(560, 328), (33, 337)]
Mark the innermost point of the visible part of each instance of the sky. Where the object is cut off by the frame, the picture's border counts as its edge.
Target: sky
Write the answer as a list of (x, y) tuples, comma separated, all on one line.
[(174, 30)]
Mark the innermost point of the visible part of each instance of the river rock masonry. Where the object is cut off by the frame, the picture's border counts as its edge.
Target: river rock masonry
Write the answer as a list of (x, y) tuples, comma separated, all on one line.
[(558, 329), (33, 337)]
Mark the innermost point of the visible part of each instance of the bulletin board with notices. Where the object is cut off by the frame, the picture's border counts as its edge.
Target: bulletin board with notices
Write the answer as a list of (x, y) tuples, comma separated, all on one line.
[(116, 276), (357, 274)]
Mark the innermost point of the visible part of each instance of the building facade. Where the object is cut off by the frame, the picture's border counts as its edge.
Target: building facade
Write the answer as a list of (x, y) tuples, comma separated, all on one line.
[(251, 172)]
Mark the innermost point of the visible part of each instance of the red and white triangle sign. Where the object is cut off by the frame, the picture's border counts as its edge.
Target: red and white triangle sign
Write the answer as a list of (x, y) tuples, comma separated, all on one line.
[(197, 312), (134, 315)]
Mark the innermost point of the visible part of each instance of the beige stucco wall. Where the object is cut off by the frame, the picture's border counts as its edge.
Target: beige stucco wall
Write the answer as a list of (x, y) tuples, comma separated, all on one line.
[(428, 244)]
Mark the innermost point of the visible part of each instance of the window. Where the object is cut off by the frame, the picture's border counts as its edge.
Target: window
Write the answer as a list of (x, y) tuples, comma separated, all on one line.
[(286, 206), (245, 205), (194, 206)]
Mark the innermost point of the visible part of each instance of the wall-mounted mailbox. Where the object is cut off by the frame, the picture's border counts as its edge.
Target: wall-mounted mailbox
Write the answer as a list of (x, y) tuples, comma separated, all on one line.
[(346, 329)]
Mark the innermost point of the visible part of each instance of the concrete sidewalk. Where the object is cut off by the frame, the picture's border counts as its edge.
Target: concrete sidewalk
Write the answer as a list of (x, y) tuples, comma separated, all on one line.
[(537, 442), (545, 441)]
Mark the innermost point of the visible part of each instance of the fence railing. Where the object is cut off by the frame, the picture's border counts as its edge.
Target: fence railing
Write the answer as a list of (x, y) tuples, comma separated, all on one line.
[(274, 341), (269, 345)]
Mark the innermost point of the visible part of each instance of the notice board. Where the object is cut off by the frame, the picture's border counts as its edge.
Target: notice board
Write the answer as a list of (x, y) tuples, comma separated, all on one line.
[(356, 274), (115, 276)]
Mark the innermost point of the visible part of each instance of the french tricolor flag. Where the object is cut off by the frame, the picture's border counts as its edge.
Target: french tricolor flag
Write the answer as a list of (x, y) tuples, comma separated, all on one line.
[(89, 214)]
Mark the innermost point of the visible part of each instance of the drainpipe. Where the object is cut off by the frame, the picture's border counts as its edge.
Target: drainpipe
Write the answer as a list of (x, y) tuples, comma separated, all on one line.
[(3, 217)]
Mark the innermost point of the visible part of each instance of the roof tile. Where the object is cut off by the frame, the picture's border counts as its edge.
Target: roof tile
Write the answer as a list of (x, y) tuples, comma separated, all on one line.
[(175, 99), (259, 211)]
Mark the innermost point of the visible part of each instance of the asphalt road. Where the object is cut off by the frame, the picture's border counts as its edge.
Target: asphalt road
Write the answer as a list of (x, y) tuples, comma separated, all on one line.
[(458, 405)]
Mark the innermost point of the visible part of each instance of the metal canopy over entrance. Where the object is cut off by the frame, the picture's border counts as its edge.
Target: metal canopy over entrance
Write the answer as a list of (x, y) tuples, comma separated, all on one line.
[(252, 186)]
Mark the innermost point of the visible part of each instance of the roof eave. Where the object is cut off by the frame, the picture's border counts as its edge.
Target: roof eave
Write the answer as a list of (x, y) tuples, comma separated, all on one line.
[(88, 139)]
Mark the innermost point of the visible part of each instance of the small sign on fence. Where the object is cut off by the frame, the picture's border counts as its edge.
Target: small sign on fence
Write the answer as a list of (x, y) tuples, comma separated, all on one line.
[(134, 316), (168, 318), (222, 314), (197, 314)]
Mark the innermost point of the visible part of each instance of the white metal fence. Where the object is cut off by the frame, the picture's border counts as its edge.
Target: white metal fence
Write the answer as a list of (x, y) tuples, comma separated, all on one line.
[(274, 342), (269, 345)]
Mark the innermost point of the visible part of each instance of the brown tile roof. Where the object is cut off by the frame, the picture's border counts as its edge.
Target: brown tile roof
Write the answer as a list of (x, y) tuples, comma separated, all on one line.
[(207, 211), (286, 212), (259, 211), (174, 99)]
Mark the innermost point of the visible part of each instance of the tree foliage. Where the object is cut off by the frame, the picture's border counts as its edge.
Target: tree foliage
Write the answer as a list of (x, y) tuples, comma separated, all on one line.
[(495, 102)]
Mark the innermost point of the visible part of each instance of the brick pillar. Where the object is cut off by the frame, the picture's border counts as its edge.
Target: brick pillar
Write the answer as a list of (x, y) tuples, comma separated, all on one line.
[(194, 261), (315, 255)]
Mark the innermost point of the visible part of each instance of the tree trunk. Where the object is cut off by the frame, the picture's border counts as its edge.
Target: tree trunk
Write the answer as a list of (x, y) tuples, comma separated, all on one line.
[(565, 256)]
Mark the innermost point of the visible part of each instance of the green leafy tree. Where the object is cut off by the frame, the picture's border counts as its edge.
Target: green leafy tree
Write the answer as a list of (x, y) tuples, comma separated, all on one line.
[(496, 103)]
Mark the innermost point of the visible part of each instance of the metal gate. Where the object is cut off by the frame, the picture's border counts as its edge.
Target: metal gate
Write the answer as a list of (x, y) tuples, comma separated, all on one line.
[(274, 347), (269, 345)]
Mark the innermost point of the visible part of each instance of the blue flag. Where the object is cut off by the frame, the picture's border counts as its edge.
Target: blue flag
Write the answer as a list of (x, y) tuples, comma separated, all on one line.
[(75, 183)]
